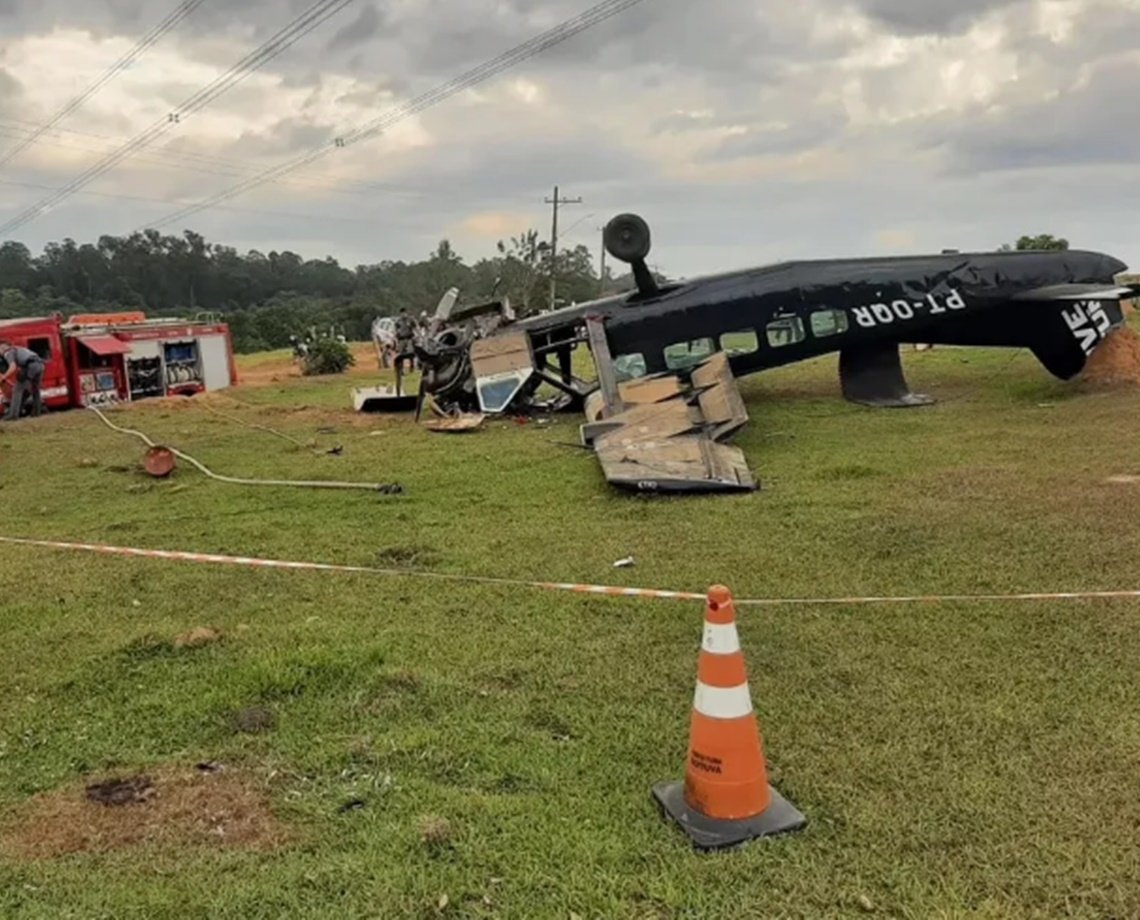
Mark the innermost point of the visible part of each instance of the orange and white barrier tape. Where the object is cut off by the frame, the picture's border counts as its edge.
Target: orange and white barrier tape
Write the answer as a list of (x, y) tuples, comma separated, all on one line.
[(606, 590)]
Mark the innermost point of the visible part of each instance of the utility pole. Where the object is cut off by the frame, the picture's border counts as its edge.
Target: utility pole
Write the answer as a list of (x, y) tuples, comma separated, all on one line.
[(556, 201), (602, 267)]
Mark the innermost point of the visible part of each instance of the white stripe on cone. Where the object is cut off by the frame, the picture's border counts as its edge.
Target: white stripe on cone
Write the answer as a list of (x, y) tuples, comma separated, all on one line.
[(721, 639), (722, 702)]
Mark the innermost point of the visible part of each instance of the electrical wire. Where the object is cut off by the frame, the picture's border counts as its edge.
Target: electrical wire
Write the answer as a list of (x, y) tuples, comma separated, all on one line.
[(528, 49), (206, 164), (281, 41), (389, 488), (172, 19), (285, 214)]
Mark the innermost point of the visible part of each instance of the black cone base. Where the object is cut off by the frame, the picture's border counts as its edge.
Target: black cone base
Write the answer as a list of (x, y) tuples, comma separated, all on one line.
[(780, 817)]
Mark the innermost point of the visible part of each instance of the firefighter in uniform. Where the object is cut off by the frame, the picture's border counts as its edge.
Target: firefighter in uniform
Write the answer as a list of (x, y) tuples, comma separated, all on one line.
[(27, 368), (405, 340)]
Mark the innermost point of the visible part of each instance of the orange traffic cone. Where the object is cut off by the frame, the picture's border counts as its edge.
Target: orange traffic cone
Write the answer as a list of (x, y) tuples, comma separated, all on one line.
[(725, 799)]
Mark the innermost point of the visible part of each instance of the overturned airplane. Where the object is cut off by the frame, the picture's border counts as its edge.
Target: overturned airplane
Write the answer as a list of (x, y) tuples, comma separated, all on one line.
[(666, 354)]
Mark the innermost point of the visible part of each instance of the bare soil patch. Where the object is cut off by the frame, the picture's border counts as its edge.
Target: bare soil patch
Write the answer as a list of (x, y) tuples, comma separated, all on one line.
[(1116, 361), (167, 807)]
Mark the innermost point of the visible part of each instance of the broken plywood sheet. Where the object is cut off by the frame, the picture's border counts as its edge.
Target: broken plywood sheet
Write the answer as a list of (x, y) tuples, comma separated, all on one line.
[(655, 420), (455, 424), (720, 401), (664, 440), (649, 389), (501, 354), (689, 463)]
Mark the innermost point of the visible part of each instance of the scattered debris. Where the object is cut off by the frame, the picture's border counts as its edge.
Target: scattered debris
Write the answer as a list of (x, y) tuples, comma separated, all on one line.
[(130, 791), (624, 563), (865, 903), (209, 766), (351, 805), (456, 424), (310, 445), (1123, 480), (197, 637), (88, 463)]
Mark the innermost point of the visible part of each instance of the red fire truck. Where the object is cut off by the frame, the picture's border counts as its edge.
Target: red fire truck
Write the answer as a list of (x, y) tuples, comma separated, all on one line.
[(100, 358)]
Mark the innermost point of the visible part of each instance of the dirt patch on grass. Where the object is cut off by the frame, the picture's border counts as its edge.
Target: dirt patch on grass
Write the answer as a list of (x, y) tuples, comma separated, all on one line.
[(267, 370), (1116, 361), (171, 807)]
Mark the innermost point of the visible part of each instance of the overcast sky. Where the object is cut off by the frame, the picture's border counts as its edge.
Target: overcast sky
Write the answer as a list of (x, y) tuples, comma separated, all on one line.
[(742, 132)]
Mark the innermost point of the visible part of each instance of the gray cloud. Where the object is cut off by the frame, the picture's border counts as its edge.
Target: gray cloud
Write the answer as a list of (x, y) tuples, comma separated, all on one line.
[(929, 16), (1088, 124), (10, 90), (364, 27), (619, 104)]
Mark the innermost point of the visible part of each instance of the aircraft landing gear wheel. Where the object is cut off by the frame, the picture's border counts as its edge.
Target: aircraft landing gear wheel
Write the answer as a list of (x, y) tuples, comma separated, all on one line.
[(627, 238)]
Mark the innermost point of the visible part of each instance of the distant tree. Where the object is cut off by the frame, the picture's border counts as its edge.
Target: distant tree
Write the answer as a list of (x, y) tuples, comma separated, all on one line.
[(1041, 241)]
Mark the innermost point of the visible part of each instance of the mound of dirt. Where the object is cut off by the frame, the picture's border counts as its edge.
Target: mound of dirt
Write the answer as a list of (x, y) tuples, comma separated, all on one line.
[(1116, 361), (169, 807)]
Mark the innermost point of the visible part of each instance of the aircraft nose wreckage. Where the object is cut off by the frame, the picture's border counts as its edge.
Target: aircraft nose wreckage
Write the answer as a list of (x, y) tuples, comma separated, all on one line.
[(667, 354)]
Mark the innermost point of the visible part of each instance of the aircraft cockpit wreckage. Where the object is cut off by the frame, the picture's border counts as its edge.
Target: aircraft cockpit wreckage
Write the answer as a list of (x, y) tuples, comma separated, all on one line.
[(667, 354)]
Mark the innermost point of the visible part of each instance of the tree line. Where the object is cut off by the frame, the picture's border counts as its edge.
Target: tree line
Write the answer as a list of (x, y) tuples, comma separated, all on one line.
[(267, 297)]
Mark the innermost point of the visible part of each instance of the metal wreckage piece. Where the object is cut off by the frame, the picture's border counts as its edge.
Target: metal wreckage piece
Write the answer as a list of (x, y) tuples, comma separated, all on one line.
[(667, 355)]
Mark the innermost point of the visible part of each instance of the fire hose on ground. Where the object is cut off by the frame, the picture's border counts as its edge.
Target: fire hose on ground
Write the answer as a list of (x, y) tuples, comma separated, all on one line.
[(387, 488)]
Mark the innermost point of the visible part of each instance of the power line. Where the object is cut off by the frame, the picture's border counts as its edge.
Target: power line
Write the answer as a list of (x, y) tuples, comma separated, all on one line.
[(180, 12), (294, 216), (548, 39), (284, 39), (211, 165)]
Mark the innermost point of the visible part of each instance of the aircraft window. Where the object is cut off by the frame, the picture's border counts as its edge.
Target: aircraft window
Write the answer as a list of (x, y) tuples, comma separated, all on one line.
[(828, 322), (41, 347), (743, 342), (496, 392), (686, 354), (627, 367), (787, 330)]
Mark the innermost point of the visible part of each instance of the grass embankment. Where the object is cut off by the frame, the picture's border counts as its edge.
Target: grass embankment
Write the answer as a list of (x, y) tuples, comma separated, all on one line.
[(953, 760)]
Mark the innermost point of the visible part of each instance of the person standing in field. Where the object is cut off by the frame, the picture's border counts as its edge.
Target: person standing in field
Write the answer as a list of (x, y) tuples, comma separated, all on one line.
[(405, 339), (27, 369)]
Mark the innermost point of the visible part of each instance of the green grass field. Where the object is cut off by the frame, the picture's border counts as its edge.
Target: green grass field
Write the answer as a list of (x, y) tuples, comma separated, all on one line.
[(953, 760)]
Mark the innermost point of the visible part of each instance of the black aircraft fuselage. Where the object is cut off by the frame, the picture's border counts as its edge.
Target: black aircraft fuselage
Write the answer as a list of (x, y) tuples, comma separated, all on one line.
[(863, 308)]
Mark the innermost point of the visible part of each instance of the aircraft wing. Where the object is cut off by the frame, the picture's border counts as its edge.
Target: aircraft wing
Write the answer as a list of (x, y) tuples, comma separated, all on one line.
[(1079, 292), (667, 436)]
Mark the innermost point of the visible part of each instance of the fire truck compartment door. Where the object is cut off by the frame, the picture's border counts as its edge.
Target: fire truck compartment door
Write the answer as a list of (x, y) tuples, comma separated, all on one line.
[(104, 345), (145, 348), (215, 361)]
